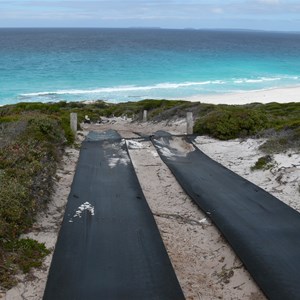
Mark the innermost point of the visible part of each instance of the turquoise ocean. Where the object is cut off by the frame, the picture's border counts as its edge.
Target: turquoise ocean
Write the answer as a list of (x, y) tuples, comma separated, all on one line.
[(131, 64)]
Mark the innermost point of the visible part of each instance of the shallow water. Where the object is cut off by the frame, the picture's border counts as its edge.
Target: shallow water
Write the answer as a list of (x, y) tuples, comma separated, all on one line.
[(133, 64)]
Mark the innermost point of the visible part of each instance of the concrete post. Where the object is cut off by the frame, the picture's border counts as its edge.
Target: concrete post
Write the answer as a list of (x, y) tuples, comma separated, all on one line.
[(145, 116), (73, 122), (189, 123)]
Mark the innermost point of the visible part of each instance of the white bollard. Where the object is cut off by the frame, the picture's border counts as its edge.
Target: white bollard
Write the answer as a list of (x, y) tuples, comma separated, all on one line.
[(73, 122), (145, 116), (189, 123)]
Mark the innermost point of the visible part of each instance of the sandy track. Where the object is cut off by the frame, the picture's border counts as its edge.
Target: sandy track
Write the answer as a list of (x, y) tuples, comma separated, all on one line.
[(204, 263)]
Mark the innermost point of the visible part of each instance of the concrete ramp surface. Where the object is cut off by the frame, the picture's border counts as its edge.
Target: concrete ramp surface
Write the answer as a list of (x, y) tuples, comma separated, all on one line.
[(263, 231), (109, 246)]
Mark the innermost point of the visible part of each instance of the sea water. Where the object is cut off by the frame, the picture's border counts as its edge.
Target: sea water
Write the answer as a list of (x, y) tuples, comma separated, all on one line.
[(132, 64)]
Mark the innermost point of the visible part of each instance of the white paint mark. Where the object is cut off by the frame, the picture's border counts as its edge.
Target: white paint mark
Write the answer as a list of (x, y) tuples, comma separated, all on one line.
[(85, 206), (134, 144)]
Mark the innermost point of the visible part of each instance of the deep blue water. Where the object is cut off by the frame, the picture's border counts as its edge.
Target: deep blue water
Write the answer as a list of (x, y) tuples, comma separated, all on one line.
[(132, 64)]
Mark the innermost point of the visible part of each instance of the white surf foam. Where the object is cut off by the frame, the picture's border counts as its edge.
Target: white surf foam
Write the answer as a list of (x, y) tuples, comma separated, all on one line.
[(123, 88), (162, 86)]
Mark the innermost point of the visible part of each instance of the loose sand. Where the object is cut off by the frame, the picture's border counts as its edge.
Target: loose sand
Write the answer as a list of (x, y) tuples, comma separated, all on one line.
[(281, 95), (205, 265)]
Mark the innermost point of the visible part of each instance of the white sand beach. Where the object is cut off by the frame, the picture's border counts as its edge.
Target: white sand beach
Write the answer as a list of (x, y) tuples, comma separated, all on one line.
[(281, 95)]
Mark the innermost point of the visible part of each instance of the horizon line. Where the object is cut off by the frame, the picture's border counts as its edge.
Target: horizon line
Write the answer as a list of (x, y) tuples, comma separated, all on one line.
[(151, 27)]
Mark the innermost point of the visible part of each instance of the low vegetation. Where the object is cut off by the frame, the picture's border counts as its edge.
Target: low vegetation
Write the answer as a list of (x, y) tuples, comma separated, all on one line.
[(263, 163), (33, 135), (229, 122), (28, 161), (279, 123)]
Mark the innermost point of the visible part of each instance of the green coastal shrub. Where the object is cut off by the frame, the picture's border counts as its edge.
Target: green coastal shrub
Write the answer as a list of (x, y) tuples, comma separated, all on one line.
[(22, 254), (65, 124), (30, 253), (27, 167), (228, 124), (282, 140), (8, 119), (263, 163)]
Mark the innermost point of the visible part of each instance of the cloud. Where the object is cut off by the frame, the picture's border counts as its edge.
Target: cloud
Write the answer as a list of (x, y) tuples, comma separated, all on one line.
[(189, 11), (268, 2), (217, 10)]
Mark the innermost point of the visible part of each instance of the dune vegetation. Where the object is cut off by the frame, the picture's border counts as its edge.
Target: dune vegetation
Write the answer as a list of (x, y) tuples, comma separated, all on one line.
[(33, 137)]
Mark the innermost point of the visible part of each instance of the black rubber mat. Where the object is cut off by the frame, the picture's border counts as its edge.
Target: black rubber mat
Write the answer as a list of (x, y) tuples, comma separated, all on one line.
[(263, 231), (109, 246)]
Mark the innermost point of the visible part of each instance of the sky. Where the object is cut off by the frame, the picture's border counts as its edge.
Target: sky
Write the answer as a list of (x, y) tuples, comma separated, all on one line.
[(278, 15)]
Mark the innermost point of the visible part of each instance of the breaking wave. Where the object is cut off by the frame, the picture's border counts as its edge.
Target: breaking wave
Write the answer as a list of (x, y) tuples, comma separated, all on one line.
[(129, 88), (209, 86)]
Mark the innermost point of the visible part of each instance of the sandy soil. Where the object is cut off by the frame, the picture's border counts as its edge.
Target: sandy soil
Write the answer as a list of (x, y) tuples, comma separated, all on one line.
[(128, 129), (205, 265), (281, 95), (45, 230), (282, 180)]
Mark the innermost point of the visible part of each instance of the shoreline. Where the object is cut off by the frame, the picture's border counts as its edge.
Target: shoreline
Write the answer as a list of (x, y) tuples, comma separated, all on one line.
[(276, 94), (280, 95)]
